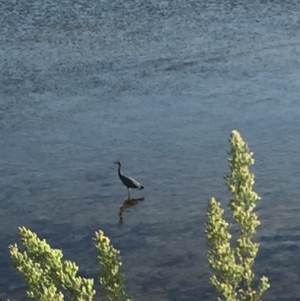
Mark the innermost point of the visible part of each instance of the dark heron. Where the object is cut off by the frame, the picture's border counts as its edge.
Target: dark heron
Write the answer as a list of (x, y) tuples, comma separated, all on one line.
[(128, 181)]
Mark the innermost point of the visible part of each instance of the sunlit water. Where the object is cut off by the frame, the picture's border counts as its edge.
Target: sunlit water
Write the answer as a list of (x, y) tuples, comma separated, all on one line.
[(158, 85)]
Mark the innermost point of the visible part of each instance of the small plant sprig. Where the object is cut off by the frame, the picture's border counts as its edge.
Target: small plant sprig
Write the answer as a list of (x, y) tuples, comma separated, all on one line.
[(45, 273), (111, 279), (51, 279), (232, 262)]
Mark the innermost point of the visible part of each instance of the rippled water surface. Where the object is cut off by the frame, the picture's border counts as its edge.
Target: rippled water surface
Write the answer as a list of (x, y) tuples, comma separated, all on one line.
[(158, 85)]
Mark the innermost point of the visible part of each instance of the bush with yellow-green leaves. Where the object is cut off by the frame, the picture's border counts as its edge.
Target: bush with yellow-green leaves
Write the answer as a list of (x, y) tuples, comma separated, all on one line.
[(232, 261), (49, 278)]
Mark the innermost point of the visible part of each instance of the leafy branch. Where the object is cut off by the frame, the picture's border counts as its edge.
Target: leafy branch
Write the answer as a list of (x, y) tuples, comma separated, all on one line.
[(232, 262)]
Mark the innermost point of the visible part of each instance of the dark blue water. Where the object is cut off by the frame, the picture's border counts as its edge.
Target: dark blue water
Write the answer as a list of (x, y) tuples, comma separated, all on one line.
[(159, 86)]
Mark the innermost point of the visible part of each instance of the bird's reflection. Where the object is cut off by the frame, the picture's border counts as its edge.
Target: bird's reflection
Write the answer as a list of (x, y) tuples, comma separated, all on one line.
[(128, 204)]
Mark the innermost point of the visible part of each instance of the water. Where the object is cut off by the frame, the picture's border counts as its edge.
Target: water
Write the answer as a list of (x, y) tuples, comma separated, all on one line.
[(158, 85)]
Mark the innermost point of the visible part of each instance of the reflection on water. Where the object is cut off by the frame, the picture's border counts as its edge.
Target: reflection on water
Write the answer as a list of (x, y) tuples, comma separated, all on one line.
[(128, 204)]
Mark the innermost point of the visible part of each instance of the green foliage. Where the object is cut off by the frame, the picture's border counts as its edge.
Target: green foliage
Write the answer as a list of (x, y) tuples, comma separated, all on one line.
[(111, 279), (232, 263), (51, 279)]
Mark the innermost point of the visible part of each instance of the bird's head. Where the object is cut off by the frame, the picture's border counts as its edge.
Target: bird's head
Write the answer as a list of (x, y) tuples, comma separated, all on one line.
[(118, 162)]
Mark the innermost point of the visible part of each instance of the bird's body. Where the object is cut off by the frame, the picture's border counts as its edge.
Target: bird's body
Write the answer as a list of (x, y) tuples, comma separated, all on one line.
[(128, 181)]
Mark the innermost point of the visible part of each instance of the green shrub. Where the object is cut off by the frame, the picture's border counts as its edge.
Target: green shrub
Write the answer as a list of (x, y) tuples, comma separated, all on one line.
[(51, 279), (232, 262)]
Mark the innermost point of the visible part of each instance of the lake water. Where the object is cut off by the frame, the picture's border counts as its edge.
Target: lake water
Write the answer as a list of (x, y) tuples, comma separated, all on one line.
[(158, 85)]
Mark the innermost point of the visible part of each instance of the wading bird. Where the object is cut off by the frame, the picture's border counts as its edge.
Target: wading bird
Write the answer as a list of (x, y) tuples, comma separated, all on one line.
[(128, 181)]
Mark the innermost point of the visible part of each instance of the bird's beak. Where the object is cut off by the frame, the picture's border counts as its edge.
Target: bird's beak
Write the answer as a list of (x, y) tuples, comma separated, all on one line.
[(116, 162)]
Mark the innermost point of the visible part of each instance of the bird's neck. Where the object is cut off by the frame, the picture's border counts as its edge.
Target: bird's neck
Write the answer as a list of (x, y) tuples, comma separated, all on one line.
[(119, 170)]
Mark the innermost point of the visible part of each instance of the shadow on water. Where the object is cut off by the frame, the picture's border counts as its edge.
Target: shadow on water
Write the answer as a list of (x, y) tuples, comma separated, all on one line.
[(128, 204)]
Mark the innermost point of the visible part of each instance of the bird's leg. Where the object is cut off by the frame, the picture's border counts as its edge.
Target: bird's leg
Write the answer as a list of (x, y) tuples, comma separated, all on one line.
[(128, 193)]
